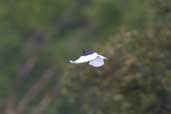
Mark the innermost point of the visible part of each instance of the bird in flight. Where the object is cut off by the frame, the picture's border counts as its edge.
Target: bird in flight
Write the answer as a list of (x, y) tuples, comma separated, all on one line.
[(94, 59)]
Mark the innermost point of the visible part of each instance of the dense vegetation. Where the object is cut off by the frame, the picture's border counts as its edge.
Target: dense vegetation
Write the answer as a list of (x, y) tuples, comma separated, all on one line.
[(38, 37)]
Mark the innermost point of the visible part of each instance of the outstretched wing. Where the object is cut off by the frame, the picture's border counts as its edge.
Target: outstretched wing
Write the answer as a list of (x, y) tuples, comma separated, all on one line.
[(84, 59), (97, 62)]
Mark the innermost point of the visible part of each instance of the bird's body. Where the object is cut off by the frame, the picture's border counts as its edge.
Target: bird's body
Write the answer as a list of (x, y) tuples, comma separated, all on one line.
[(86, 52), (94, 59)]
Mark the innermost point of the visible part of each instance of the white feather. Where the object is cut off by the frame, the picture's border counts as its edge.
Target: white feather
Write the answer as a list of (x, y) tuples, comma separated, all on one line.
[(84, 59), (102, 57), (97, 62)]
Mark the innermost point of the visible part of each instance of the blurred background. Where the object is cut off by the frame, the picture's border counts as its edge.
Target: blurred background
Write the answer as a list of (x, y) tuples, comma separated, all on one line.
[(38, 37)]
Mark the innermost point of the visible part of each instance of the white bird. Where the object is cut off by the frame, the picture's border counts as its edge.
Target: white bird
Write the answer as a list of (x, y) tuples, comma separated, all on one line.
[(94, 59)]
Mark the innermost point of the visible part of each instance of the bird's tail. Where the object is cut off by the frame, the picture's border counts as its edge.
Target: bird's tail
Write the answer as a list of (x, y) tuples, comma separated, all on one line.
[(103, 57)]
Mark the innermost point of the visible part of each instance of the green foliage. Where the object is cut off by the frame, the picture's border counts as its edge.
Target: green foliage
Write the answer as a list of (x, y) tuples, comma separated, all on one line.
[(38, 37)]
